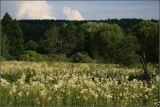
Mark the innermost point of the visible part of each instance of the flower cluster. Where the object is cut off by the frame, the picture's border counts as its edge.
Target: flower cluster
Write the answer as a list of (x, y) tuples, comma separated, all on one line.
[(59, 84)]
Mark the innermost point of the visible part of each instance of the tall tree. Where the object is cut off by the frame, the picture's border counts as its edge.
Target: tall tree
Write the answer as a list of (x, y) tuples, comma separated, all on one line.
[(70, 38), (80, 39), (108, 43), (147, 33), (126, 51), (6, 27), (3, 45), (108, 36), (16, 41), (60, 40), (15, 36), (6, 23), (51, 42), (90, 33)]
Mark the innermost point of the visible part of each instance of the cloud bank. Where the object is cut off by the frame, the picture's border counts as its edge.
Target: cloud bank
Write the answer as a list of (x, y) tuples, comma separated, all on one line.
[(34, 10), (72, 14)]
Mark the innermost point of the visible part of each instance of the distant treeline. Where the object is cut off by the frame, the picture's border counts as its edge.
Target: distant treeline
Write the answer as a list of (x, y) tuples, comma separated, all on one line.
[(121, 41), (35, 29)]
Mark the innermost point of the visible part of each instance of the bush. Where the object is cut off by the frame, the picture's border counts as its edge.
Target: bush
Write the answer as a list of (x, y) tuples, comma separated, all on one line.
[(59, 58), (33, 56), (2, 58), (31, 45), (12, 75), (81, 58)]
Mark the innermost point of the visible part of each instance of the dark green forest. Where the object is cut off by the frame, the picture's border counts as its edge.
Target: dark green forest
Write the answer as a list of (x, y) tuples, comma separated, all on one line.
[(119, 41)]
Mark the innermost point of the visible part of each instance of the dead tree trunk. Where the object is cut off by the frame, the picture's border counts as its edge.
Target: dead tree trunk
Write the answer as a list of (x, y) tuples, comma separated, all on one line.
[(144, 64)]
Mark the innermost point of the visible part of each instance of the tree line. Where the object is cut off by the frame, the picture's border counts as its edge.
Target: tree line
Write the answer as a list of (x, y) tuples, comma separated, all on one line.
[(120, 41)]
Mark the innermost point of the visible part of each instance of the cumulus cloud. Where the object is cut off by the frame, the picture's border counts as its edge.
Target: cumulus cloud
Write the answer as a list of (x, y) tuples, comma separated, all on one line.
[(35, 10), (72, 14)]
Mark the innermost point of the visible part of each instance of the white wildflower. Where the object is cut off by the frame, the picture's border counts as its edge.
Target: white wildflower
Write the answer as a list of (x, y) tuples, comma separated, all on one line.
[(49, 98), (49, 78), (27, 93), (109, 96), (43, 93), (20, 93), (4, 82), (13, 89), (157, 79), (84, 91)]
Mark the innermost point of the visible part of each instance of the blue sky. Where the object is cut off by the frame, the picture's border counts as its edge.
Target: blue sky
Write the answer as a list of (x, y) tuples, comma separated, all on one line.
[(81, 10)]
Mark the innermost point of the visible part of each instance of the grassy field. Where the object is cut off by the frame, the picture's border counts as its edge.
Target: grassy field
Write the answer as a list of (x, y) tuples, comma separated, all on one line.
[(69, 84)]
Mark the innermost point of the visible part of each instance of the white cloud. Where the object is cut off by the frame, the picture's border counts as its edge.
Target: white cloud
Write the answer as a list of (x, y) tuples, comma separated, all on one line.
[(34, 10), (72, 14)]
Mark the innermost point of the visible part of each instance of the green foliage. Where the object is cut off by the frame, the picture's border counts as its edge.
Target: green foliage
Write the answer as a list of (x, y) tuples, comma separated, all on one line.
[(80, 39), (6, 23), (6, 26), (81, 58), (12, 75), (29, 74), (51, 40), (3, 46), (126, 51), (58, 58), (35, 29), (16, 41), (108, 41), (33, 56), (14, 34), (147, 33), (68, 38), (31, 45), (60, 40)]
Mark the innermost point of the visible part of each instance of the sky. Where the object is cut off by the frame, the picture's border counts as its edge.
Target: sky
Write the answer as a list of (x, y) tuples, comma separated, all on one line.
[(81, 10)]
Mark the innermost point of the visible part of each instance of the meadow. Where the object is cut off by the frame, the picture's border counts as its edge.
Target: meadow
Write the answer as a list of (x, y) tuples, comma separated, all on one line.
[(75, 84)]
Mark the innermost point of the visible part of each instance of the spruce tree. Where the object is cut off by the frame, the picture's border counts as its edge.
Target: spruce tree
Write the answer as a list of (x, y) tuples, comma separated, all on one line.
[(3, 45), (14, 34)]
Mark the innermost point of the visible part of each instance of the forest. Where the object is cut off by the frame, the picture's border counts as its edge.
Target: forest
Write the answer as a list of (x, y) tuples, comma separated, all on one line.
[(119, 41)]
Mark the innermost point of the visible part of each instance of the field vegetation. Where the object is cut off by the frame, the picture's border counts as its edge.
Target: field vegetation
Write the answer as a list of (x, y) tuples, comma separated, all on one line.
[(70, 84)]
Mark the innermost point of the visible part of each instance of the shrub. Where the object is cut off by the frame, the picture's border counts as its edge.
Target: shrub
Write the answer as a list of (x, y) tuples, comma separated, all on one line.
[(2, 58), (33, 56), (81, 58), (12, 75), (31, 45)]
